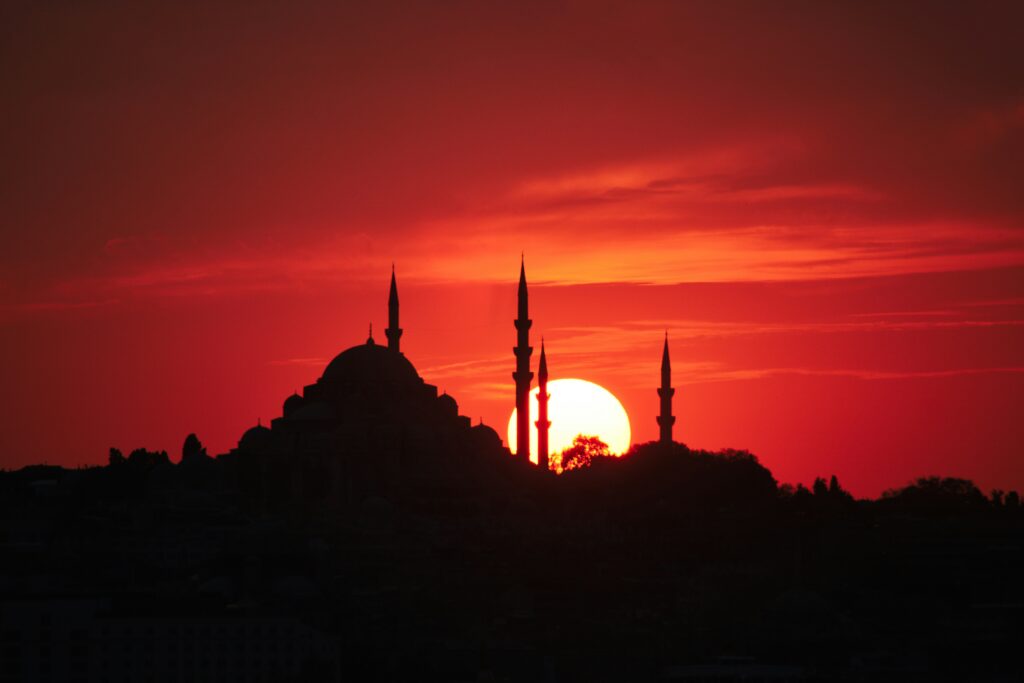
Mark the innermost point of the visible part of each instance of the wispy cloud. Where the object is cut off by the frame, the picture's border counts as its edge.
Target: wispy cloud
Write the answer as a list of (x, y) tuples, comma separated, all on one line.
[(615, 352), (750, 374), (718, 215)]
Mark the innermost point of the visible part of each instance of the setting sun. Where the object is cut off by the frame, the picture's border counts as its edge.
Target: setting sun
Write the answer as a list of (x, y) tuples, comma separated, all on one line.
[(577, 407)]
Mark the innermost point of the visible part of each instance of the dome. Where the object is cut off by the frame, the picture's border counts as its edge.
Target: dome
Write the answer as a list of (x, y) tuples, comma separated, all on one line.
[(448, 404), (291, 404), (485, 436), (369, 364), (255, 438)]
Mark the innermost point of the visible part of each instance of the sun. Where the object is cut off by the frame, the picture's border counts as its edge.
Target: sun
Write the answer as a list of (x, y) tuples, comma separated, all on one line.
[(577, 407)]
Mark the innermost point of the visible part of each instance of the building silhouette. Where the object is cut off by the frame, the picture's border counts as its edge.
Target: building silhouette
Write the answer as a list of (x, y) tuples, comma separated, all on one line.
[(543, 423), (522, 375), (370, 414), (666, 419), (354, 432), (394, 332)]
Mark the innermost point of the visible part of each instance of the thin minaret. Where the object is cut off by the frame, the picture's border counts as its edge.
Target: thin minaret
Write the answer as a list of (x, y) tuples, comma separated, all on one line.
[(394, 332), (666, 419), (543, 423), (522, 375)]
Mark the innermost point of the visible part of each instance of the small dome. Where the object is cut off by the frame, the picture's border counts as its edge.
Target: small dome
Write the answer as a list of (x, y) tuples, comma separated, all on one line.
[(485, 436), (371, 364), (255, 438), (292, 403), (448, 404)]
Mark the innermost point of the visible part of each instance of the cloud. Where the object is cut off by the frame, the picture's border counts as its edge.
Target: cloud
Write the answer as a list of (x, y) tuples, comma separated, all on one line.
[(617, 351), (834, 144), (868, 375)]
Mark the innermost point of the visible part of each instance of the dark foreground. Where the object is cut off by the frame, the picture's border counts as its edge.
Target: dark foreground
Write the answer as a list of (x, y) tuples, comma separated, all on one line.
[(669, 565)]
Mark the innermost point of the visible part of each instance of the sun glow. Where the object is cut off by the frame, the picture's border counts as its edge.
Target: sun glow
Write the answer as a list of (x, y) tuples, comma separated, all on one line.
[(577, 407)]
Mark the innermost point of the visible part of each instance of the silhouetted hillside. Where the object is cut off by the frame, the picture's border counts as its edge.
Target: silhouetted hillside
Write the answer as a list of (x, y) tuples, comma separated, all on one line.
[(667, 564)]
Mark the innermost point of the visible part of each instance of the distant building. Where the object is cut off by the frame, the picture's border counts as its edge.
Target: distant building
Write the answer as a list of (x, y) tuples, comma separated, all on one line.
[(543, 423), (522, 375), (368, 415), (666, 419)]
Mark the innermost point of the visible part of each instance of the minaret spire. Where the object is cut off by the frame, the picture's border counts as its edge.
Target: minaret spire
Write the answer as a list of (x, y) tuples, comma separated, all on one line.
[(394, 332), (543, 423), (522, 375), (666, 419), (523, 294)]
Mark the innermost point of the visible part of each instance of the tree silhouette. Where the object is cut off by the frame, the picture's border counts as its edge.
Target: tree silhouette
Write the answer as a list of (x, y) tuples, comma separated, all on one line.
[(192, 449), (583, 452), (938, 495), (820, 488), (834, 488), (142, 459)]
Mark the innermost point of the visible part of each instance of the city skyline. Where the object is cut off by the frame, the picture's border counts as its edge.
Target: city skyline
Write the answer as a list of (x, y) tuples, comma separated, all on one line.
[(820, 204), (532, 341)]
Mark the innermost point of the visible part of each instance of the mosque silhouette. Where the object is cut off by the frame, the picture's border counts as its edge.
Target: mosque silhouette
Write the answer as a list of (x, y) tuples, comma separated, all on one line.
[(371, 400), (372, 533)]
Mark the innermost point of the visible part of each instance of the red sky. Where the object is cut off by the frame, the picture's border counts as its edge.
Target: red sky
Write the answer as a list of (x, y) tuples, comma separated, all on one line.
[(821, 202)]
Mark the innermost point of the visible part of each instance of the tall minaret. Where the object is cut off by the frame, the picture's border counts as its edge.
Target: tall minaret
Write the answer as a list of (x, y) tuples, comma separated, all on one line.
[(522, 375), (543, 423), (666, 419), (394, 332)]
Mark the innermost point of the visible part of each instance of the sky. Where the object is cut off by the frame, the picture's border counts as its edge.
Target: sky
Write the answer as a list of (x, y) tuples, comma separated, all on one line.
[(821, 202)]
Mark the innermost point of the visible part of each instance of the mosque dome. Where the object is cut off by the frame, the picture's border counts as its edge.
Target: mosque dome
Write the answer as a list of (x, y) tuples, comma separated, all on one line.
[(255, 438), (291, 404), (485, 436), (371, 363), (448, 404)]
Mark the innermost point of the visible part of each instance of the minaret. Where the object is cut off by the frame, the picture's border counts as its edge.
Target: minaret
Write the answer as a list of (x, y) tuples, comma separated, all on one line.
[(666, 419), (543, 423), (522, 375), (394, 332)]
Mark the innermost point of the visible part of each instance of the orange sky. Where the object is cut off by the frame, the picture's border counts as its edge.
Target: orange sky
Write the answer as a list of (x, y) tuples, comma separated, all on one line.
[(822, 205)]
